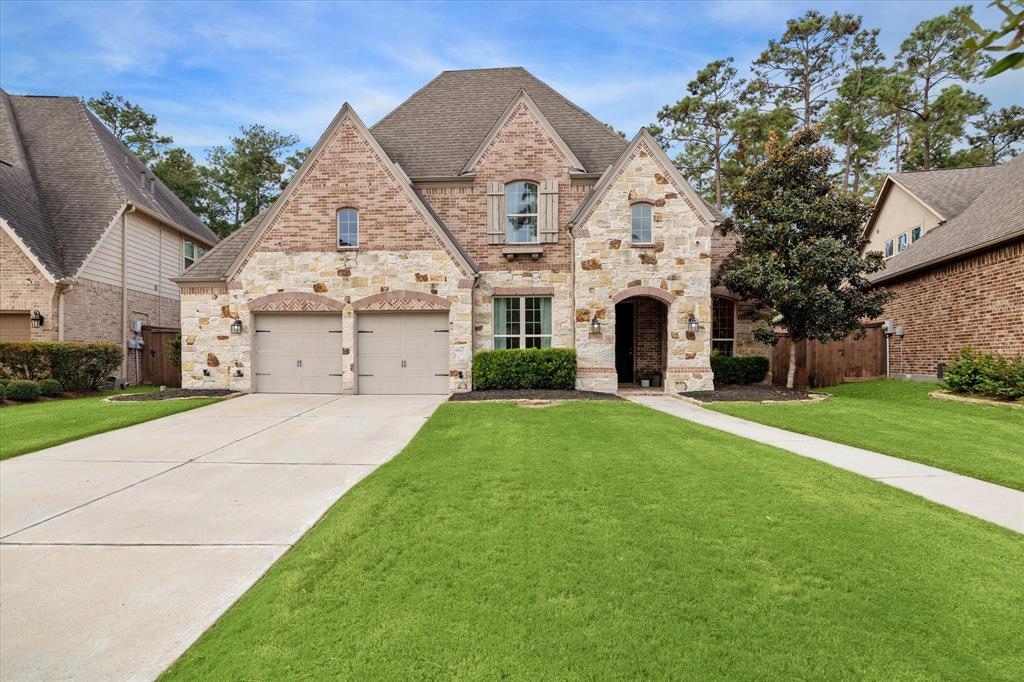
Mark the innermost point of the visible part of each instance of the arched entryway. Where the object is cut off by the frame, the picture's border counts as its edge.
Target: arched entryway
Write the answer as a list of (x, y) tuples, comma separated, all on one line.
[(641, 339)]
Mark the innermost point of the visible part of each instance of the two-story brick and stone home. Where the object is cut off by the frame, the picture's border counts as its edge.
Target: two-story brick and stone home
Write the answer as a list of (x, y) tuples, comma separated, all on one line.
[(89, 237), (487, 211)]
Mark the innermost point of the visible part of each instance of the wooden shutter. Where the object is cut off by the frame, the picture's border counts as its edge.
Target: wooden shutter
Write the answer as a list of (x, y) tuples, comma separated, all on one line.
[(547, 212), (495, 212)]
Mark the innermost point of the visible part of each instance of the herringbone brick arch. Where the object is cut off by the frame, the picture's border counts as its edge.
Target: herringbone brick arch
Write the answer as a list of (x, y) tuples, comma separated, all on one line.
[(401, 300), (296, 302)]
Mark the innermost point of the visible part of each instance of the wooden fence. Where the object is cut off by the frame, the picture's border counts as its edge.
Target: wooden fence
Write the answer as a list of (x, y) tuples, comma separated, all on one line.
[(827, 364), (157, 369)]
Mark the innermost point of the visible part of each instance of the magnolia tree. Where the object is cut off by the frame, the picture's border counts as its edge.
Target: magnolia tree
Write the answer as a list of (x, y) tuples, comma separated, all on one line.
[(799, 249)]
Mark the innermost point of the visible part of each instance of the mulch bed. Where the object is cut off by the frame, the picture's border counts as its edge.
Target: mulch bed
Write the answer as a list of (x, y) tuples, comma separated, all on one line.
[(539, 394), (173, 393), (754, 392)]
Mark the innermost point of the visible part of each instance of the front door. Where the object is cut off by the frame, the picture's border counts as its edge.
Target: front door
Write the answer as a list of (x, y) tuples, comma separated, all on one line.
[(625, 322)]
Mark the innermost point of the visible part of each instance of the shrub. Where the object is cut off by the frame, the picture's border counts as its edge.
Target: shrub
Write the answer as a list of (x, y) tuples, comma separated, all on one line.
[(77, 366), (50, 388), (987, 374), (739, 370), (22, 389), (3, 392), (531, 368), (174, 348)]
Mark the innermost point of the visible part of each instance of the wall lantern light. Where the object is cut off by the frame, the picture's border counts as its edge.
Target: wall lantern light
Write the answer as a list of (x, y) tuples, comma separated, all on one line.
[(37, 318), (595, 325), (692, 324), (236, 327)]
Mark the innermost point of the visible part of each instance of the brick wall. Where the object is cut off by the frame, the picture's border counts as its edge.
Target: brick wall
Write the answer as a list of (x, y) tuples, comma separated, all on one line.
[(977, 301), (650, 339), (520, 151), (23, 287)]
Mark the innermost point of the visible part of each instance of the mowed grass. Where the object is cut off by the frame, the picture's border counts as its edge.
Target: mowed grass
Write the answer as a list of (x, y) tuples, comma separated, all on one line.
[(608, 541), (34, 426), (898, 418)]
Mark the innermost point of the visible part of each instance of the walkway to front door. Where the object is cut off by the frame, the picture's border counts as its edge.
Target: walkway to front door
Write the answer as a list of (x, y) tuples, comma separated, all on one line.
[(118, 551)]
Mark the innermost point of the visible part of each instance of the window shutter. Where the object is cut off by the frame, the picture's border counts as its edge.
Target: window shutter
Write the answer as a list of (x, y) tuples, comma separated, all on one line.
[(495, 212), (547, 212)]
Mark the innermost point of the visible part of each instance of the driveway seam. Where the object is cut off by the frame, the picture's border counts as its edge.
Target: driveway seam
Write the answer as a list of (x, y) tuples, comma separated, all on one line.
[(145, 544), (161, 473)]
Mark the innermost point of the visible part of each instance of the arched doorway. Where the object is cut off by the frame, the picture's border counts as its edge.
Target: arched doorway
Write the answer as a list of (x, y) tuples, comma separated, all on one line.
[(641, 339)]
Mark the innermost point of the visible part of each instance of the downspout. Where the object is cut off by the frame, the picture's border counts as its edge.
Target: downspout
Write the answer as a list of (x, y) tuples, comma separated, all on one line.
[(63, 286), (124, 293)]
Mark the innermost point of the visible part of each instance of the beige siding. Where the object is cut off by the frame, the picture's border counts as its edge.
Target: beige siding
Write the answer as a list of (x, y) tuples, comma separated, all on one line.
[(900, 213), (105, 264), (172, 261)]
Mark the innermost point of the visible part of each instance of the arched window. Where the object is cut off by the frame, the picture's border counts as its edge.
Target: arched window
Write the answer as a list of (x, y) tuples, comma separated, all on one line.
[(348, 227), (521, 211), (641, 223), (723, 327)]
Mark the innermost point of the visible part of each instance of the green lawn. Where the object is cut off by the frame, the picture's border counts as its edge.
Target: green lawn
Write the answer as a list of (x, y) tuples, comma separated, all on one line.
[(898, 418), (34, 426), (605, 540)]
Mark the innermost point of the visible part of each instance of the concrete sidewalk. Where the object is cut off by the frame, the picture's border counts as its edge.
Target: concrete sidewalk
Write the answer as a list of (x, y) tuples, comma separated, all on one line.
[(988, 501), (119, 550)]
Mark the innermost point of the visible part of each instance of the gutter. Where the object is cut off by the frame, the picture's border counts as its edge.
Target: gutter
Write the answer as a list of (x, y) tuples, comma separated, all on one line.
[(124, 293), (948, 257)]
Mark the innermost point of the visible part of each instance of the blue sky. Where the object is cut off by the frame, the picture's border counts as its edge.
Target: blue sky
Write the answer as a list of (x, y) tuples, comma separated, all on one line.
[(205, 68)]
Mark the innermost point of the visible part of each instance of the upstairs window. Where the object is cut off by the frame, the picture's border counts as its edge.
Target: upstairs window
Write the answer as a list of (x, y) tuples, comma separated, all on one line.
[(889, 249), (193, 252), (723, 327), (915, 234), (641, 223), (902, 243), (521, 211), (522, 322), (348, 227)]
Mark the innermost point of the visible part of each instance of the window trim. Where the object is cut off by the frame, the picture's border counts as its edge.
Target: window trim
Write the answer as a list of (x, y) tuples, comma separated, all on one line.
[(890, 248), (536, 215), (916, 233), (730, 339), (902, 242), (522, 335), (337, 227), (650, 225)]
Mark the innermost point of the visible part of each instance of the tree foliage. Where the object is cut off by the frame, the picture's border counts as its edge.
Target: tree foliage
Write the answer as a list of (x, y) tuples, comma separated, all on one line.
[(132, 124), (1000, 134), (985, 41), (799, 247)]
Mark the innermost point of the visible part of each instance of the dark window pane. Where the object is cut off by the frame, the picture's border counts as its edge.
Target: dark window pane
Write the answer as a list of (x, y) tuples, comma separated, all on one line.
[(521, 197), (722, 348), (522, 229), (723, 313)]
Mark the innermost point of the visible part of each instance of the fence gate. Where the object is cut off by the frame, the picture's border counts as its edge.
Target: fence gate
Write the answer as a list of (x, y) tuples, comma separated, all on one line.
[(827, 364), (157, 369)]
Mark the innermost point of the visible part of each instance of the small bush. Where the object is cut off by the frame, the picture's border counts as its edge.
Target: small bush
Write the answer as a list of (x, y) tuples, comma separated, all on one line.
[(78, 367), (50, 388), (23, 389), (174, 351), (3, 392), (4, 382), (739, 370), (531, 368), (986, 374)]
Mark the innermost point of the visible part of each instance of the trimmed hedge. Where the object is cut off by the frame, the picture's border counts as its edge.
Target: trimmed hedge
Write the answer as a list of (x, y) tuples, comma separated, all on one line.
[(986, 374), (3, 393), (22, 389), (78, 367), (529, 368), (50, 388), (739, 370)]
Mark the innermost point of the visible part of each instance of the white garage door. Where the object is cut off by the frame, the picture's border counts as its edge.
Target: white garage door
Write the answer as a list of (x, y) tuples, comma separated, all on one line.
[(297, 353), (402, 352)]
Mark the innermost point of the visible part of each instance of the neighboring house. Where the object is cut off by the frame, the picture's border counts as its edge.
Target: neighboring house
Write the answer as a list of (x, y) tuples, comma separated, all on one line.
[(959, 281), (487, 211), (90, 238)]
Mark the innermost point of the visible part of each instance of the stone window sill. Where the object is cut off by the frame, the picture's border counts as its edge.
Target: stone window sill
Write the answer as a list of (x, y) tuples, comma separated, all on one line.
[(348, 248), (511, 251), (642, 245)]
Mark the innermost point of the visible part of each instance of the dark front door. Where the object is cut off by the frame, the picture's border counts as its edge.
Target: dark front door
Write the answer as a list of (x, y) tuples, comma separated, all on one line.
[(625, 323)]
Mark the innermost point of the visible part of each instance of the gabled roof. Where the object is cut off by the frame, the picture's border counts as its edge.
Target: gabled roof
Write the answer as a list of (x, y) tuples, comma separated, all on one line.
[(228, 258), (522, 98), (643, 139), (69, 177), (438, 129), (945, 192), (995, 215)]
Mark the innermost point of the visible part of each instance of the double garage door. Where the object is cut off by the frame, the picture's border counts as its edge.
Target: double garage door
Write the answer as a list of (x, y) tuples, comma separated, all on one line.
[(395, 353)]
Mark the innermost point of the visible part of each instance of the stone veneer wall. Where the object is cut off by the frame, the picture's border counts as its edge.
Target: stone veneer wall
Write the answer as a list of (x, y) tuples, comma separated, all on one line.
[(346, 277), (557, 285), (678, 262), (24, 287)]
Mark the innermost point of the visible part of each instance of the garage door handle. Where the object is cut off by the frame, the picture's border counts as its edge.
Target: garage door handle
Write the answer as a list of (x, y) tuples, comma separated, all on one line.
[(440, 375), (365, 331), (333, 331), (262, 331), (366, 375), (263, 374), (403, 363), (440, 331), (335, 375)]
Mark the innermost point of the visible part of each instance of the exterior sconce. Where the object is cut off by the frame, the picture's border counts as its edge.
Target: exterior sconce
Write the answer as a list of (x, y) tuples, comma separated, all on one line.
[(37, 318), (236, 327), (595, 325), (692, 324)]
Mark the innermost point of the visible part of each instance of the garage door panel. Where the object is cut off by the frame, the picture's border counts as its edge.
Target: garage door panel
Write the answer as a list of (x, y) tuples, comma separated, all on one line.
[(386, 340), (283, 340)]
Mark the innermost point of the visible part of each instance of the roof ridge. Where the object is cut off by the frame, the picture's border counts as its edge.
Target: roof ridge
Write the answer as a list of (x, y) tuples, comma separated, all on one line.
[(578, 108), (935, 170), (408, 99)]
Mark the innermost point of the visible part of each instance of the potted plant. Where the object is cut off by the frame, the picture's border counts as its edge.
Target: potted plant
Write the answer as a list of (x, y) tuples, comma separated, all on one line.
[(644, 376), (656, 379)]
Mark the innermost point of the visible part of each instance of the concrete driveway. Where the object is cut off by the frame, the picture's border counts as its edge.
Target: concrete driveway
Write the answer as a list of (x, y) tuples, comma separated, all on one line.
[(118, 551)]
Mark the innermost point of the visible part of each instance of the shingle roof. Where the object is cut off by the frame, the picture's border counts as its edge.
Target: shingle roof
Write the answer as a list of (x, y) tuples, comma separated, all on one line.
[(71, 176), (995, 215), (216, 262), (948, 191), (436, 131)]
